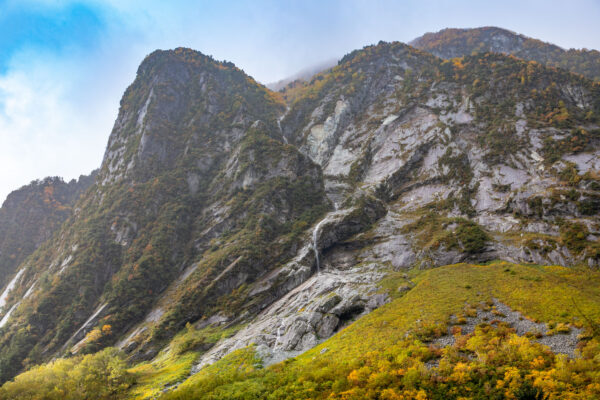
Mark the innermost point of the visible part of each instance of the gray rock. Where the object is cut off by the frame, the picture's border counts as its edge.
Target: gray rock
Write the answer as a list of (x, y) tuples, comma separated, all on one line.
[(558, 343)]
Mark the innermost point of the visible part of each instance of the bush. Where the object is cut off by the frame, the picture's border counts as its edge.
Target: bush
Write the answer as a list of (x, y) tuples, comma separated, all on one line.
[(99, 376), (472, 237)]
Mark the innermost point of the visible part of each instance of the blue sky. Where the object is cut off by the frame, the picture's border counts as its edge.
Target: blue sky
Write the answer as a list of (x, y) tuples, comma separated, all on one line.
[(65, 64)]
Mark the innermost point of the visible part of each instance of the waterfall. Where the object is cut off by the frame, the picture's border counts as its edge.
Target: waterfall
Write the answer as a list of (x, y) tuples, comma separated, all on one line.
[(279, 124), (314, 243), (281, 130)]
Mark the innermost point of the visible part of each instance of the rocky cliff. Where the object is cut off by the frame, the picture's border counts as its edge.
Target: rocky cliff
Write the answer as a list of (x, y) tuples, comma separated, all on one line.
[(450, 43), (468, 166), (30, 215), (196, 183), (219, 206)]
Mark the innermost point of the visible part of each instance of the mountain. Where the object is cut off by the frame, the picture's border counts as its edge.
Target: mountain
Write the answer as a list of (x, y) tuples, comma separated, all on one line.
[(450, 43), (30, 215), (386, 230), (195, 176)]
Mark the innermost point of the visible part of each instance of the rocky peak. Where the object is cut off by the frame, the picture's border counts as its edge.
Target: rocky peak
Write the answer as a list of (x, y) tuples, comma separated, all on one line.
[(196, 178), (450, 134), (451, 43), (183, 105), (350, 91)]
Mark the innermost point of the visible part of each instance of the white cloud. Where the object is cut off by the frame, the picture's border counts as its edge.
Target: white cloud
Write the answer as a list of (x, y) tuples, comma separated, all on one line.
[(58, 105), (43, 133)]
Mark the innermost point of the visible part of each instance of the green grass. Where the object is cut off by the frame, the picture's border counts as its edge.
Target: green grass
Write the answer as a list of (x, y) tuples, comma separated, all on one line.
[(190, 338), (539, 292), (383, 355), (234, 368), (173, 364), (153, 376)]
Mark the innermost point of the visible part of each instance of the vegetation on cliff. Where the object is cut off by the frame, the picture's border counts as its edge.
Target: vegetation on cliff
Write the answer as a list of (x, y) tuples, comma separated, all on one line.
[(206, 212), (450, 43)]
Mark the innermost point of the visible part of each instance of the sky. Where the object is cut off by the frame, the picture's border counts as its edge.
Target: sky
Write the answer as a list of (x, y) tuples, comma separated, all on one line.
[(64, 65)]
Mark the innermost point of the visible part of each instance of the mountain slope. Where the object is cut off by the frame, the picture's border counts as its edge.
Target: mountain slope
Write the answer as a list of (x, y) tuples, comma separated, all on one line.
[(447, 337), (485, 138), (472, 160), (221, 221), (450, 43), (31, 214), (195, 157)]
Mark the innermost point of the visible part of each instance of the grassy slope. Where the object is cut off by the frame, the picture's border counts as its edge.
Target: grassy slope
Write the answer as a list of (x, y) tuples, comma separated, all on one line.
[(541, 293), (174, 363), (384, 355)]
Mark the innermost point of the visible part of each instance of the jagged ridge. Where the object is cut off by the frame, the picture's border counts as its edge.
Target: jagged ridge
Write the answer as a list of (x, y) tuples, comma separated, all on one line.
[(450, 43)]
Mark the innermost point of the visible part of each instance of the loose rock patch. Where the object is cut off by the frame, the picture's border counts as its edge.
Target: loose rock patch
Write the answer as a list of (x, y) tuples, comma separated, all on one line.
[(559, 343)]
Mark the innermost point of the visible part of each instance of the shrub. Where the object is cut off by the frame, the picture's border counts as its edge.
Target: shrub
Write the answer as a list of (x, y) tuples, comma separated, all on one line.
[(99, 376)]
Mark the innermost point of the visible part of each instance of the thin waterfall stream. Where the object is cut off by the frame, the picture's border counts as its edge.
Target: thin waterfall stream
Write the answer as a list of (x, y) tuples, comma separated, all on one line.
[(315, 238)]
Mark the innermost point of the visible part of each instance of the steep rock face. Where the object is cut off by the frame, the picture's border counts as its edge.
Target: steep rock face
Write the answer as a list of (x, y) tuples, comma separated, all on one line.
[(183, 107), (458, 156), (450, 43), (195, 184), (30, 215), (456, 147), (214, 206), (300, 306)]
